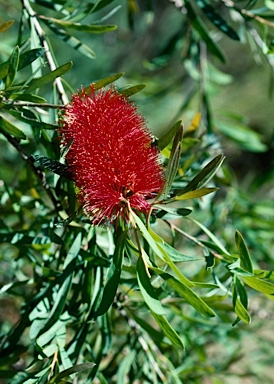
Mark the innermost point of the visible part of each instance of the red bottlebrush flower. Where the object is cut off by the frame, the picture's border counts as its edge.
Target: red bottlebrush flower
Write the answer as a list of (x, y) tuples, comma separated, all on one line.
[(111, 157)]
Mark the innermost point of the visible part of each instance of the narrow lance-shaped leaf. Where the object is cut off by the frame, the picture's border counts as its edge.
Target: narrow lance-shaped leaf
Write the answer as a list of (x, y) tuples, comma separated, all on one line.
[(168, 136), (203, 32), (203, 176), (28, 57), (49, 77), (194, 300), (27, 97), (103, 82), (67, 372), (246, 262), (113, 276), (196, 193), (147, 290), (239, 299), (54, 166), (91, 28), (174, 160), (9, 128), (260, 285), (217, 20), (73, 42), (210, 235), (132, 90), (13, 65), (4, 67), (168, 330)]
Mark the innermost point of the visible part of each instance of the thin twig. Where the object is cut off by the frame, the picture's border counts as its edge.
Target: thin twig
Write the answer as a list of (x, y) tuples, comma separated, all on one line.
[(244, 12), (179, 230), (30, 161), (36, 105), (45, 45)]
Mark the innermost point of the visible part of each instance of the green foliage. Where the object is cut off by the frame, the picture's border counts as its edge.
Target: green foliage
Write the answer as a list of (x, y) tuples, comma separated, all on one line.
[(145, 301)]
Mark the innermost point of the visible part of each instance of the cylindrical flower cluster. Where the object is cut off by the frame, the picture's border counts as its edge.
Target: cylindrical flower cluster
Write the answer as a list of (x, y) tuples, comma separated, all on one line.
[(111, 158)]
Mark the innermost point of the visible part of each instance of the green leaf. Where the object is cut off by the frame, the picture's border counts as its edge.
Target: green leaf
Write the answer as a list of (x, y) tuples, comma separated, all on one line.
[(217, 20), (132, 90), (81, 27), (113, 276), (13, 65), (6, 25), (242, 135), (241, 312), (124, 367), (27, 97), (49, 77), (106, 81), (147, 290), (195, 194), (73, 42), (245, 258), (9, 128), (28, 57), (184, 291), (203, 176), (67, 372), (54, 166), (31, 120), (200, 27), (168, 330), (210, 235), (174, 160), (239, 298), (164, 210), (168, 136), (177, 256), (263, 286), (4, 67)]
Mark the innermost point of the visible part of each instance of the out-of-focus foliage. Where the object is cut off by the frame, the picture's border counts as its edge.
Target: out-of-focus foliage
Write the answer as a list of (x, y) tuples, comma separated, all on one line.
[(165, 300)]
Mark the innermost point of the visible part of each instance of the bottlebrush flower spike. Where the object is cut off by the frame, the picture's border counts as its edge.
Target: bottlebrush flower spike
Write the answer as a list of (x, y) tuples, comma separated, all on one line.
[(111, 157)]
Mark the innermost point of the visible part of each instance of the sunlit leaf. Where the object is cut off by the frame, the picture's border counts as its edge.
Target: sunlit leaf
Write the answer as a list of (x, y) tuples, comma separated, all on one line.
[(244, 255), (91, 28), (147, 290), (132, 90), (168, 330), (169, 135), (27, 97), (9, 128), (204, 176), (260, 285), (210, 235), (103, 82), (184, 291), (49, 77), (195, 194)]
